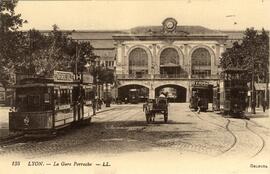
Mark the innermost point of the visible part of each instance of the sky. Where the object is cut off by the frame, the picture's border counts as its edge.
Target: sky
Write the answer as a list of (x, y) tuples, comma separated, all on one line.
[(125, 14)]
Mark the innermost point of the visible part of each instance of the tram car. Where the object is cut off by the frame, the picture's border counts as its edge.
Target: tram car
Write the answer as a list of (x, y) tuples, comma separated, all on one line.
[(216, 98), (87, 95), (133, 96), (200, 96), (44, 105), (233, 90)]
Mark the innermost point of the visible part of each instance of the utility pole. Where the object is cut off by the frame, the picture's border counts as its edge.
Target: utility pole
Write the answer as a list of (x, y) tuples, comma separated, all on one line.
[(267, 77), (252, 89), (76, 62)]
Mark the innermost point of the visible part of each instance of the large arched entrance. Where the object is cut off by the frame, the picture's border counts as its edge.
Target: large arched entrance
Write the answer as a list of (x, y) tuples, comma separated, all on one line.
[(201, 62), (174, 93), (138, 62), (133, 93)]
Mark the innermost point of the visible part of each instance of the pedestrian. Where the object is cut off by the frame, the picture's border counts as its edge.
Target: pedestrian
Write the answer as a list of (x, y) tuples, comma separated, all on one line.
[(199, 103), (145, 105), (99, 103), (264, 105), (94, 106)]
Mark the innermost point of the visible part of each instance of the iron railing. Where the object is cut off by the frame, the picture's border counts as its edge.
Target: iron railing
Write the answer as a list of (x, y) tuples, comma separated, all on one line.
[(165, 76)]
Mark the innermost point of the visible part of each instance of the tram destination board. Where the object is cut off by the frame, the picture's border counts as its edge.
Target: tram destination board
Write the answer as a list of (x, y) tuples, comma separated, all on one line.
[(62, 76)]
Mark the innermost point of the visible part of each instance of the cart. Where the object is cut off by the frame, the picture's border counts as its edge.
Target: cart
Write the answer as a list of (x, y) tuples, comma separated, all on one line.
[(157, 106)]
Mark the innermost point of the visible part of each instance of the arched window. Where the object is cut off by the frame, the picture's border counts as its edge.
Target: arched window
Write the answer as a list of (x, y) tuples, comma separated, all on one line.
[(169, 56), (201, 62), (170, 63), (138, 62)]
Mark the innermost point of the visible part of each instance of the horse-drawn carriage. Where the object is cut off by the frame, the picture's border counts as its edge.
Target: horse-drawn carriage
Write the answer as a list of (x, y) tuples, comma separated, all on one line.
[(154, 107)]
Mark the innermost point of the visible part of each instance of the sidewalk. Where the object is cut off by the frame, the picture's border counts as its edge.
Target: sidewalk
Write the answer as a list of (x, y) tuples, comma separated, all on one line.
[(4, 121), (4, 126), (261, 118)]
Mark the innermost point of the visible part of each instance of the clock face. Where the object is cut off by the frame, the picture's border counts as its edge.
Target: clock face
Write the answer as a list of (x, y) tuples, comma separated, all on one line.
[(170, 25)]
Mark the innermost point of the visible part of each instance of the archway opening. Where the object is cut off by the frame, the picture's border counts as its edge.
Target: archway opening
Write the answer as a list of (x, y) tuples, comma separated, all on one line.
[(174, 93), (201, 62), (138, 62), (133, 93)]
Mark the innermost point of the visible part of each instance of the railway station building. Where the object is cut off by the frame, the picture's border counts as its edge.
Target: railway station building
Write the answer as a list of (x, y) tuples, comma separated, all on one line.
[(167, 58)]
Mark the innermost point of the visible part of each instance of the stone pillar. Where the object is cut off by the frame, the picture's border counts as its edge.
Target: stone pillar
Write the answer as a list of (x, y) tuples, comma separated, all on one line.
[(154, 59), (217, 54), (157, 60), (188, 92), (119, 63), (213, 58), (151, 92), (187, 59), (214, 67), (123, 59)]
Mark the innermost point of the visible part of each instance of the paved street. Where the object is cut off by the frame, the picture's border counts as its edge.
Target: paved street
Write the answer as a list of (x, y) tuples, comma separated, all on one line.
[(123, 133)]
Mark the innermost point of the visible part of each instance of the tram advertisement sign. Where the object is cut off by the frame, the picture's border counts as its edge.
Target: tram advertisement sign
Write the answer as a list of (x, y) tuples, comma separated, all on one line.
[(63, 76)]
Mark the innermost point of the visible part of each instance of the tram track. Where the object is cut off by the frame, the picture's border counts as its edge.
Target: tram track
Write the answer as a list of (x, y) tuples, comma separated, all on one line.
[(11, 140), (255, 133), (23, 141), (116, 115), (226, 127), (235, 139)]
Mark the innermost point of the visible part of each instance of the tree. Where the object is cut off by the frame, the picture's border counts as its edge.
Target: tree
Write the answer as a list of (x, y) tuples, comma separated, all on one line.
[(252, 54), (10, 39), (58, 51), (9, 21)]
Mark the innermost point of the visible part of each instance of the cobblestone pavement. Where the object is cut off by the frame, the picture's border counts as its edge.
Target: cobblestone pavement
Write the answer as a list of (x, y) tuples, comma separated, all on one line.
[(123, 133)]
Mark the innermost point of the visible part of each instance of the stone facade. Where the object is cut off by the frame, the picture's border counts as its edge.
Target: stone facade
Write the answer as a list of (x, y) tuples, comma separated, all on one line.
[(154, 40), (115, 47)]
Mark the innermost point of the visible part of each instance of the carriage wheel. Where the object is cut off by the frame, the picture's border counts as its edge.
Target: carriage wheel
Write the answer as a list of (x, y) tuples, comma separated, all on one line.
[(152, 118), (165, 117), (148, 118)]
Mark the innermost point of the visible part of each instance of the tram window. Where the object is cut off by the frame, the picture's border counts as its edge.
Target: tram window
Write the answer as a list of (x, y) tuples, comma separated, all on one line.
[(33, 100), (46, 98), (64, 96), (21, 101), (56, 101)]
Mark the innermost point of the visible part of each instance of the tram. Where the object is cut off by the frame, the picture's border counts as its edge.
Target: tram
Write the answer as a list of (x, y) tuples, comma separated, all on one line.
[(216, 98), (46, 104), (133, 96), (233, 92), (200, 95)]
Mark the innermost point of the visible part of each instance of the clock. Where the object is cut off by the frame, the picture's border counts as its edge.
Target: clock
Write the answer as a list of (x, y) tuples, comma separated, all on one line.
[(169, 24)]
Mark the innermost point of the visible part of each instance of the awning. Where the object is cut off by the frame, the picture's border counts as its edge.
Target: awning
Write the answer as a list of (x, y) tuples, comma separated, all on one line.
[(260, 86)]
